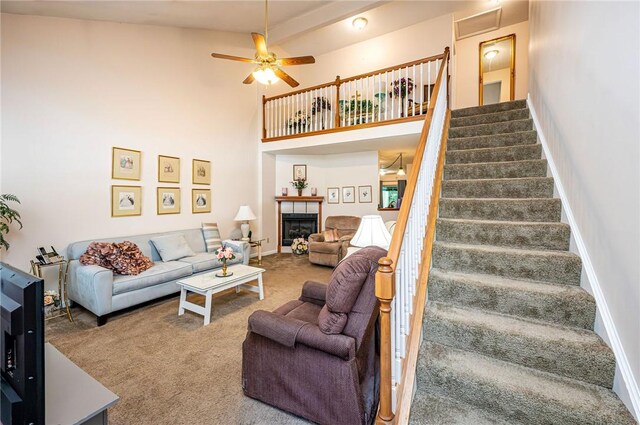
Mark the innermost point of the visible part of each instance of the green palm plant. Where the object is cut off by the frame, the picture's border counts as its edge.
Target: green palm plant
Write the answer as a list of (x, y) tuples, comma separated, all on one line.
[(7, 216)]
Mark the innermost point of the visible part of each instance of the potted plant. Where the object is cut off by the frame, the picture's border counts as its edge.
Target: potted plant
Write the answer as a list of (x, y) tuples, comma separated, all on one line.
[(299, 184), (318, 105), (402, 88), (300, 246), (224, 254), (7, 216), (299, 121)]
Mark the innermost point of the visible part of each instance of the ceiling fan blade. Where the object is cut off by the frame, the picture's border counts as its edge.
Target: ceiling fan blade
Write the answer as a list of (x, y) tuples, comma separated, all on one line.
[(250, 79), (233, 58), (261, 44), (285, 77), (301, 60)]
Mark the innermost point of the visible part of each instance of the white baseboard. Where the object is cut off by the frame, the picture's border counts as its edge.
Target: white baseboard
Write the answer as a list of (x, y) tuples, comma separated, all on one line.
[(628, 380), (264, 254)]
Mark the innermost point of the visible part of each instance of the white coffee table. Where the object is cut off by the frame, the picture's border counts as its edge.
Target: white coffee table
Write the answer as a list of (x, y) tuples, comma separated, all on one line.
[(208, 284)]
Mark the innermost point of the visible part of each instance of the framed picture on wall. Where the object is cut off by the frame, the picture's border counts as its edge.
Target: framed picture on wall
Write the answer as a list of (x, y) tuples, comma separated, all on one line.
[(168, 169), (333, 195), (126, 201), (201, 171), (349, 194), (299, 172), (168, 200), (365, 195), (200, 201), (125, 164)]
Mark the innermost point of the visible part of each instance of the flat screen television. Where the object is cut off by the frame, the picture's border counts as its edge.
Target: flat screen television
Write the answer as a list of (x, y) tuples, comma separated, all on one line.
[(22, 345)]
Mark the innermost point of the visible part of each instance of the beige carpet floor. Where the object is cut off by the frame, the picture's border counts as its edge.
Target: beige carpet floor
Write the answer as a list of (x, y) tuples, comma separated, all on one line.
[(173, 370)]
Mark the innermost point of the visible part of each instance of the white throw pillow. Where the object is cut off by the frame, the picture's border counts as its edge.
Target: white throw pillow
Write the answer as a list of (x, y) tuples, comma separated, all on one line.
[(172, 247)]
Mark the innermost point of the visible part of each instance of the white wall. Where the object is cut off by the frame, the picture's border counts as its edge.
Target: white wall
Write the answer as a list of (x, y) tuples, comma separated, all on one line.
[(583, 83), (417, 41), (72, 89), (467, 63)]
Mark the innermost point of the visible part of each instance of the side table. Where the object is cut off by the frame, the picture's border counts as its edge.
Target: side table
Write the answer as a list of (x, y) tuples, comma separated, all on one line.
[(258, 244), (63, 270)]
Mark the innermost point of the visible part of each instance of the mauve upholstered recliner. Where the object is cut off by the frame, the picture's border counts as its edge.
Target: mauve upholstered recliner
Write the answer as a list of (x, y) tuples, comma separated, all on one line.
[(331, 253), (317, 357)]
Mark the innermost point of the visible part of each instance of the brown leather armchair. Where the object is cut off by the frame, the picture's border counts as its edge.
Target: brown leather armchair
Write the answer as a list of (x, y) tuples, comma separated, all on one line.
[(330, 253), (317, 356)]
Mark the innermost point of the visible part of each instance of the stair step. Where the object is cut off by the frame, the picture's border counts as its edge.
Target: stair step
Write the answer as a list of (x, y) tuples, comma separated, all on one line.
[(518, 393), (496, 170), (503, 154), (546, 266), (493, 141), (492, 128), (488, 109), (542, 209), (516, 234), (574, 353), (428, 409), (501, 116), (527, 187), (565, 305)]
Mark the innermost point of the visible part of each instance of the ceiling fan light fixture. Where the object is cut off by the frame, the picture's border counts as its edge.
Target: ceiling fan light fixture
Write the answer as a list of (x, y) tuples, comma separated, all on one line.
[(265, 75), (359, 23), (491, 54)]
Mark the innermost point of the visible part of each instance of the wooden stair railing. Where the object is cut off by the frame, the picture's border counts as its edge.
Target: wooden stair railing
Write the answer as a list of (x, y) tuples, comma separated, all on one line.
[(401, 280), (375, 98)]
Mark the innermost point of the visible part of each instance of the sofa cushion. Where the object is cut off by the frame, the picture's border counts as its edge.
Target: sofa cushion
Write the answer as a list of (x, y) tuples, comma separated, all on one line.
[(325, 247), (172, 247), (207, 261), (159, 273), (211, 236), (300, 310)]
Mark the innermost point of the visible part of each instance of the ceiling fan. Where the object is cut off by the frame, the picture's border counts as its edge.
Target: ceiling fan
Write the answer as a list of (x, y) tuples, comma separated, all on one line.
[(268, 70)]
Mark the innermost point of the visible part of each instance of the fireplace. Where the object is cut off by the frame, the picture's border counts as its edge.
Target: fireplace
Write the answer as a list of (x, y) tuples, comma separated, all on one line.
[(298, 225)]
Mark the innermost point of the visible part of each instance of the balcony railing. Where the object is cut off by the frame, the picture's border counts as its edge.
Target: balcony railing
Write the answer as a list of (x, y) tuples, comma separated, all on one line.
[(386, 96)]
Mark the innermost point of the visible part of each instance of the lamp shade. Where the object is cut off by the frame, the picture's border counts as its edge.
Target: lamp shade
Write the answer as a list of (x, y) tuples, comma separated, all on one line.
[(245, 214), (372, 231)]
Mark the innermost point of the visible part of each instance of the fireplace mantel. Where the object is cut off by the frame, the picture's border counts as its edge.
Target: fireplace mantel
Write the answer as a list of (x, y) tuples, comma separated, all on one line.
[(296, 199)]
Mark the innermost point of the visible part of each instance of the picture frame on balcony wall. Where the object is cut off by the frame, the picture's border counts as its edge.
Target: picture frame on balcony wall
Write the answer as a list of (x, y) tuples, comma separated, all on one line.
[(299, 172), (365, 195), (126, 201), (168, 169), (348, 194), (201, 171), (168, 200), (126, 164), (333, 195), (200, 201)]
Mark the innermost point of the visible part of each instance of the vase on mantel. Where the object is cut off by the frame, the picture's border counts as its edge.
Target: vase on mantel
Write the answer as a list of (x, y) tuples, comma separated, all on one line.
[(299, 192)]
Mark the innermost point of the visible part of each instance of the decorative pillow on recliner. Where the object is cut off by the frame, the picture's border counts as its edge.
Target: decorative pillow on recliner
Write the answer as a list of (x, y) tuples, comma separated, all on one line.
[(122, 258), (172, 247), (330, 235)]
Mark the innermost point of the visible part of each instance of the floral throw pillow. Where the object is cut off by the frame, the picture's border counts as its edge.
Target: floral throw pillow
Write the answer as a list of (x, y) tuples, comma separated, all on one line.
[(121, 258)]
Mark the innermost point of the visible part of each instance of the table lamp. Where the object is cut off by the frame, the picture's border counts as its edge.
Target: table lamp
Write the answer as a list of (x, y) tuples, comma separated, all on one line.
[(245, 215), (372, 231)]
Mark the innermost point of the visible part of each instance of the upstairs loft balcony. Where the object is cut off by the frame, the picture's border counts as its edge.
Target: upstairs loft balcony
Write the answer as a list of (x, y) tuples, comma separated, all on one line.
[(398, 94)]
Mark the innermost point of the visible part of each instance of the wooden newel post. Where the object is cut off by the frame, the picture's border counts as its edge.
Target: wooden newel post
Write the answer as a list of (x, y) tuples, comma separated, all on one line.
[(385, 291)]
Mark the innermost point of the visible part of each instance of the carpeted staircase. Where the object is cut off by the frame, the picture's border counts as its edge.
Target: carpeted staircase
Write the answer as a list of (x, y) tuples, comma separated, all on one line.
[(508, 332)]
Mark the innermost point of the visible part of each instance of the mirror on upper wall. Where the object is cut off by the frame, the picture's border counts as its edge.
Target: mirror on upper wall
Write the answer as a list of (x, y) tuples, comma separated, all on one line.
[(497, 70)]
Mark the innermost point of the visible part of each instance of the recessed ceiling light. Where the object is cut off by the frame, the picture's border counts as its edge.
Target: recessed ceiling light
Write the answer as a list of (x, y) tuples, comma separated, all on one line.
[(359, 23), (491, 54)]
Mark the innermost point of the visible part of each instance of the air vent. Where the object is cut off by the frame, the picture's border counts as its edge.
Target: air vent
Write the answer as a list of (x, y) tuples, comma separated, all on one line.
[(478, 24)]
